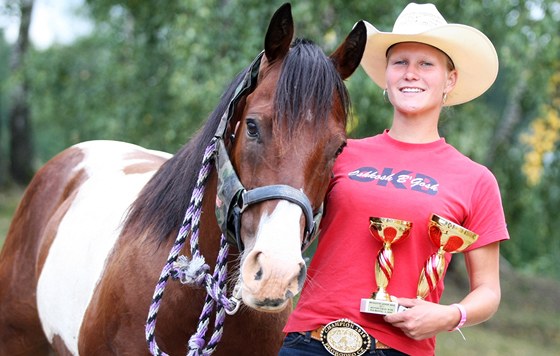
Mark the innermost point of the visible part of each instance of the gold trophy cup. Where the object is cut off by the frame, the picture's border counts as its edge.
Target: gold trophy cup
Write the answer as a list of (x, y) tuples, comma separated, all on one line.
[(449, 237), (388, 231)]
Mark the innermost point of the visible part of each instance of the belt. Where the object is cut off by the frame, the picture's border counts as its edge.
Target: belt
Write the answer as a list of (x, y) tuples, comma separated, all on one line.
[(316, 335)]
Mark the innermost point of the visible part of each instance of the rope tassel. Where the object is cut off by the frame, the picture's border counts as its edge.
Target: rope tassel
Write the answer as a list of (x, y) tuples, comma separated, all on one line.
[(190, 272)]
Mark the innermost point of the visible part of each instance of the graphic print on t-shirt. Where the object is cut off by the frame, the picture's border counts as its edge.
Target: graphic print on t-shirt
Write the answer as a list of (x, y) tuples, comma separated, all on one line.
[(403, 179)]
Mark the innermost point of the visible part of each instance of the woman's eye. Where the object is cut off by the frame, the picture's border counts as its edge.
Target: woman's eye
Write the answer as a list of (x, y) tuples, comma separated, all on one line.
[(252, 128)]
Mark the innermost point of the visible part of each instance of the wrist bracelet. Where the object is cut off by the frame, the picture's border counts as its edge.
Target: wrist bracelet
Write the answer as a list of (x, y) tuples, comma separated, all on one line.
[(463, 312)]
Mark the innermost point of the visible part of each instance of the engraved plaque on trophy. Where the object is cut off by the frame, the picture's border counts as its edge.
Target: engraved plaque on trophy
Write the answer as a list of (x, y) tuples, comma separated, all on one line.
[(388, 231), (448, 237)]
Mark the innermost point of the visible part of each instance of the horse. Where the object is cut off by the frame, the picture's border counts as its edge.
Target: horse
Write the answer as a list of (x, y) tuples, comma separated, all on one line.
[(98, 233)]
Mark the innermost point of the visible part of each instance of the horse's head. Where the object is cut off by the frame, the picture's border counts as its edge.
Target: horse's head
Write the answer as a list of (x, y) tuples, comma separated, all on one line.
[(286, 133)]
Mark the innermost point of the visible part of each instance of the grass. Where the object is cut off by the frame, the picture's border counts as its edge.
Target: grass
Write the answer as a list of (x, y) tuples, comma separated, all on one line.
[(484, 342), (527, 322)]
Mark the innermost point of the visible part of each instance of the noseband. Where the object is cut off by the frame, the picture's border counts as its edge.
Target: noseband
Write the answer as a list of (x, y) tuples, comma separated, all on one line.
[(232, 197)]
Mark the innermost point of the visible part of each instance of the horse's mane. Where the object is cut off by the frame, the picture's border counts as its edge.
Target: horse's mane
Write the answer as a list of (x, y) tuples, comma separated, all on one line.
[(307, 84)]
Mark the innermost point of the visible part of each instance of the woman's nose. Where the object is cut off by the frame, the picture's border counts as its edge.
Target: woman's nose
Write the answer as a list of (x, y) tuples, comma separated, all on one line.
[(411, 73)]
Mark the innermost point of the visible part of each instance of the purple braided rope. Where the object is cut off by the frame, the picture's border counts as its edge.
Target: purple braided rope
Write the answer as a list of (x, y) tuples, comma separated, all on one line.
[(216, 294), (215, 285), (216, 288), (192, 210), (224, 302)]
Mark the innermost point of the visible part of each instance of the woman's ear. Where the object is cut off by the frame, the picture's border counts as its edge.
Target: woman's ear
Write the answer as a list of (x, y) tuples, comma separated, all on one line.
[(451, 81)]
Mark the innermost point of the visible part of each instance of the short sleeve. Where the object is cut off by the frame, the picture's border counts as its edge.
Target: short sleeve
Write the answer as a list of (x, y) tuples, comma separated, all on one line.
[(486, 216)]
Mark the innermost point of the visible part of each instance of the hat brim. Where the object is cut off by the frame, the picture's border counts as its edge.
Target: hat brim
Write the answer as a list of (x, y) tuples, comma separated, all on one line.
[(472, 53)]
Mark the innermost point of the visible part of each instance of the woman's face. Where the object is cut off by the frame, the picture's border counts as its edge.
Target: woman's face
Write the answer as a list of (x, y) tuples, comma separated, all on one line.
[(418, 75)]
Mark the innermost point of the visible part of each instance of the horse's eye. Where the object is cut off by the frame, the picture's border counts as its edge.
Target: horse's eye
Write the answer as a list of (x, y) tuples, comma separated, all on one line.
[(340, 149), (252, 128)]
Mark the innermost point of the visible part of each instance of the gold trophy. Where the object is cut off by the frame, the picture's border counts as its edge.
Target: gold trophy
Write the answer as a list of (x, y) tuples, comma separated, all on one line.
[(388, 231), (449, 237)]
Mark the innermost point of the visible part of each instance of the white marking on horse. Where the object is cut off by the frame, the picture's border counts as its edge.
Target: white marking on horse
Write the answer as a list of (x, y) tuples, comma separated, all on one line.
[(86, 236), (280, 231), (272, 270)]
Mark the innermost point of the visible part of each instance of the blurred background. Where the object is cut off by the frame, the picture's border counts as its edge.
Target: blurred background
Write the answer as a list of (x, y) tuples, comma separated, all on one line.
[(149, 72)]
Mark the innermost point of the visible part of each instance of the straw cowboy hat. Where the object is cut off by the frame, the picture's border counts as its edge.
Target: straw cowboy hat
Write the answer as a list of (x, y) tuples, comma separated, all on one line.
[(471, 51)]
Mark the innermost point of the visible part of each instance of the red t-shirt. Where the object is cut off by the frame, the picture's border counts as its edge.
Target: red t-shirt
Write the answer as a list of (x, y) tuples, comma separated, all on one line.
[(379, 176)]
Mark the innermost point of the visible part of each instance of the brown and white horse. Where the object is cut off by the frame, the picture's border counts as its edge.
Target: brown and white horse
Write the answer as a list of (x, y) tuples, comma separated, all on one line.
[(93, 231)]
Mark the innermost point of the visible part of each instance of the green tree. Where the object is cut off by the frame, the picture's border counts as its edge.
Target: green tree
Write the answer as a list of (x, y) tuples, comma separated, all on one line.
[(151, 72), (4, 74)]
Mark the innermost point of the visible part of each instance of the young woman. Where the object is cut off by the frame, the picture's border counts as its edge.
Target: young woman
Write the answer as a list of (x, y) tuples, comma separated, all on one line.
[(406, 173)]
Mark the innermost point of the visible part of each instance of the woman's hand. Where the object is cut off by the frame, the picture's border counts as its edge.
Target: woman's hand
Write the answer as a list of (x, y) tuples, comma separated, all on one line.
[(423, 319)]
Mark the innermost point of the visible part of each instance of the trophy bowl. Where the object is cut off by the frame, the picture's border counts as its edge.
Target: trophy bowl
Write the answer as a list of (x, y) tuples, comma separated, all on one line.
[(449, 236)]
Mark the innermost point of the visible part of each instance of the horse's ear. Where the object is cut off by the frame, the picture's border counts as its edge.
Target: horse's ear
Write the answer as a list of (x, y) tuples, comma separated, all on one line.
[(348, 55), (279, 34)]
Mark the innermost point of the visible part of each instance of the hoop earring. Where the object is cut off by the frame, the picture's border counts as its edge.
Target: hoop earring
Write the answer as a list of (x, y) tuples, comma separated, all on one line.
[(444, 99), (385, 96)]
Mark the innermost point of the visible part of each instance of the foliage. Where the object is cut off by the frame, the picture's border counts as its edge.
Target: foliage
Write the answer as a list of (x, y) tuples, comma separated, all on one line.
[(10, 195), (4, 65), (151, 71), (544, 135)]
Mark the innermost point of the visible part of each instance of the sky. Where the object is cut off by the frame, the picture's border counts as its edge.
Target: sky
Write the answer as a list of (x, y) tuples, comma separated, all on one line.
[(53, 21)]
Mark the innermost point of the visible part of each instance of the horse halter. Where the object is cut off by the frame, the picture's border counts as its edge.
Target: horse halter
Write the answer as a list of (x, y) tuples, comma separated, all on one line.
[(232, 197)]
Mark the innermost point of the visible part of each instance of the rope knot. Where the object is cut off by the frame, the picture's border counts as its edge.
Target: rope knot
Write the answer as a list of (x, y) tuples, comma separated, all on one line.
[(196, 345), (191, 271)]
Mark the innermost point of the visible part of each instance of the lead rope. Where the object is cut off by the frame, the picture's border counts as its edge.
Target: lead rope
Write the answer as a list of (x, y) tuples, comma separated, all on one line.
[(196, 272)]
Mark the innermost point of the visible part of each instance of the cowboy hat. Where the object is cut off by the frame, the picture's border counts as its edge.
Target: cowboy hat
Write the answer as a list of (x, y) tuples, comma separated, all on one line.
[(470, 50)]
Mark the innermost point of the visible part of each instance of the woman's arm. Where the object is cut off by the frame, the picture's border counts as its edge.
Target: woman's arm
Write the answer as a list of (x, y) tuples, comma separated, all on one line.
[(483, 267), (424, 319)]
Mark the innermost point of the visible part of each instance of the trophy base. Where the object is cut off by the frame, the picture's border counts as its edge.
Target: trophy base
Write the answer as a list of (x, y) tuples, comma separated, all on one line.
[(382, 307)]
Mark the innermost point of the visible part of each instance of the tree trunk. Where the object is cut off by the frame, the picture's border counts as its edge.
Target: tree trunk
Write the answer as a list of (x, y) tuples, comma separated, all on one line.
[(21, 146)]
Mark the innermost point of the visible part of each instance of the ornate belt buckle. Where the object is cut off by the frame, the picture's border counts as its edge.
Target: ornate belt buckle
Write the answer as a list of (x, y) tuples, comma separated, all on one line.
[(343, 337)]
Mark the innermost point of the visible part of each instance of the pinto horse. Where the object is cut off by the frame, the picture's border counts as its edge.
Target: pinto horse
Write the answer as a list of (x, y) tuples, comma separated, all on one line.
[(93, 231)]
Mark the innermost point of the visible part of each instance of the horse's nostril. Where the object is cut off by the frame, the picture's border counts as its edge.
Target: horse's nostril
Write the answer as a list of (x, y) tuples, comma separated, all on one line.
[(259, 274)]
